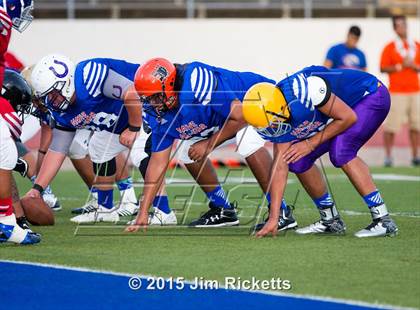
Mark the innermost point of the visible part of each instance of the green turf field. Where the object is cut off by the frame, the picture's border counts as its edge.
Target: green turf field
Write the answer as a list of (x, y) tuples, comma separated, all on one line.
[(381, 270)]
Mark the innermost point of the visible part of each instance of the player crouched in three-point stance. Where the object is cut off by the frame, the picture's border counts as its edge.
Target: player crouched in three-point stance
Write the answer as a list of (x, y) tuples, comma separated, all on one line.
[(312, 112), (92, 95), (16, 14), (12, 229), (79, 156), (192, 102)]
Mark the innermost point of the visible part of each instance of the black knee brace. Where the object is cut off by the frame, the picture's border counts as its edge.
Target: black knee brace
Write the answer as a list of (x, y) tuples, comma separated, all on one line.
[(106, 169), (143, 166), (145, 162)]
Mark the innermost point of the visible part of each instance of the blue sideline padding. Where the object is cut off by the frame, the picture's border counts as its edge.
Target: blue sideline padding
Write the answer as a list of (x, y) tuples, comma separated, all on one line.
[(27, 286)]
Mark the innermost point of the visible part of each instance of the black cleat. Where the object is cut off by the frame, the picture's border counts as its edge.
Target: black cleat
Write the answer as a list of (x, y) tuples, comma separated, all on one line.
[(88, 207), (23, 222), (286, 220), (217, 217)]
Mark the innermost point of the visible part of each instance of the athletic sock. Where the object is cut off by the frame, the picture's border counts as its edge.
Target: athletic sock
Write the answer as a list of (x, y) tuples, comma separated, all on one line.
[(376, 205), (6, 207), (47, 190), (94, 192), (218, 198), (105, 198), (283, 207), (283, 201), (11, 231), (162, 203), (126, 189), (326, 207), (268, 197)]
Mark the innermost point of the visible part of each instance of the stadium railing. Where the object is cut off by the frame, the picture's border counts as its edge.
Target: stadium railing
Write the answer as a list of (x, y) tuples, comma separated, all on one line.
[(230, 8)]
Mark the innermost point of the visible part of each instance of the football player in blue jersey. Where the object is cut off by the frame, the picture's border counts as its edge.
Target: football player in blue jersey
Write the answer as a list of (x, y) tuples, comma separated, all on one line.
[(312, 112), (192, 102), (94, 95)]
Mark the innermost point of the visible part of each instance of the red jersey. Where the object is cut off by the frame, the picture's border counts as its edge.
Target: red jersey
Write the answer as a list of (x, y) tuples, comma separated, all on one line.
[(12, 62), (12, 119), (5, 33)]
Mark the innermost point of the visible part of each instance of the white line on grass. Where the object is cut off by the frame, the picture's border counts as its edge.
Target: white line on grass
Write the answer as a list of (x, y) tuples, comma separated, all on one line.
[(236, 180)]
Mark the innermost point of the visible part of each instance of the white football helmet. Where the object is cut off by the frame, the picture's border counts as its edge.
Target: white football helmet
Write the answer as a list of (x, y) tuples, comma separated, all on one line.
[(52, 80)]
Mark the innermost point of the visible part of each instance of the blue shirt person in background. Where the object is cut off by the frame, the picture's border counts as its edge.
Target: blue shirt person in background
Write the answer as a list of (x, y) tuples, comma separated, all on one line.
[(347, 55)]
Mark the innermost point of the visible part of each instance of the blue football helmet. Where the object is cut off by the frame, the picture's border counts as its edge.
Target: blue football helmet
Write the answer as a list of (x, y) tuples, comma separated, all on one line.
[(19, 11)]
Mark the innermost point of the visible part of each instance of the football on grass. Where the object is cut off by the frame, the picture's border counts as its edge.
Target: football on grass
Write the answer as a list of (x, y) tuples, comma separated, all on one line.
[(37, 211)]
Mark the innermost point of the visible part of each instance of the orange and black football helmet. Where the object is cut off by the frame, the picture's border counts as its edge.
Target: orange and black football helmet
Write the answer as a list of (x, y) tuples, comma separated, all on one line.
[(154, 82)]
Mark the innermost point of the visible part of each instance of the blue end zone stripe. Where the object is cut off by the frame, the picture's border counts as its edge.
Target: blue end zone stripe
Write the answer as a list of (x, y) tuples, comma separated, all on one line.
[(49, 287)]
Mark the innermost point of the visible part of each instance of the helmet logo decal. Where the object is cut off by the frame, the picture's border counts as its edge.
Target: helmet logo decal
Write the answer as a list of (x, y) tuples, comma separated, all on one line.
[(62, 75), (160, 73)]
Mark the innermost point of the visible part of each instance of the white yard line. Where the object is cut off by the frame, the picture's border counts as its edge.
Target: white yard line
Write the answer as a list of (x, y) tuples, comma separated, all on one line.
[(239, 180)]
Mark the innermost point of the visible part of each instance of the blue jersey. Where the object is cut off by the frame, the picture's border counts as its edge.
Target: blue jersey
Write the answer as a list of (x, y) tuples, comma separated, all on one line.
[(99, 85), (309, 89), (342, 56), (204, 102)]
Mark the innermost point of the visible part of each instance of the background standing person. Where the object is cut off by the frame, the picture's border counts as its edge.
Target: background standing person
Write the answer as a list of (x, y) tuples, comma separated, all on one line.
[(401, 60), (347, 55)]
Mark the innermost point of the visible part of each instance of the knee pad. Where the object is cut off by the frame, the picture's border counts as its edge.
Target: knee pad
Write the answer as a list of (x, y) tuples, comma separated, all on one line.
[(79, 147), (141, 149), (78, 150), (248, 141), (106, 169), (143, 166), (182, 150)]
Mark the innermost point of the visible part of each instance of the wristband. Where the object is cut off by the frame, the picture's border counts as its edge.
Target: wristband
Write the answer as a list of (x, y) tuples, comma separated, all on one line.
[(134, 128), (38, 187), (42, 152)]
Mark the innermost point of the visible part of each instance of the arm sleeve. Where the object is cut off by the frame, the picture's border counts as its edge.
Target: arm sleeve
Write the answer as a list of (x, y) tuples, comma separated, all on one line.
[(94, 74), (61, 140), (115, 85)]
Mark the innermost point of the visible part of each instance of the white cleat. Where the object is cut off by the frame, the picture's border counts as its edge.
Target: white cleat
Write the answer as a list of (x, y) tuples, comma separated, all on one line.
[(379, 228), (100, 215), (10, 231), (159, 218), (127, 209), (322, 227), (90, 206), (52, 201)]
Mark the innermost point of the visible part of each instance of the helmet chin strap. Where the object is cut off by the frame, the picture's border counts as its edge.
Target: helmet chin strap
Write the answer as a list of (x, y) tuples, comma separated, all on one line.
[(168, 103)]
